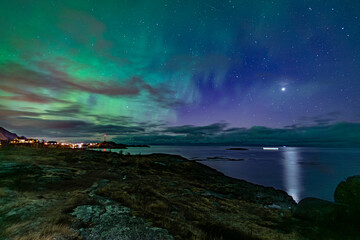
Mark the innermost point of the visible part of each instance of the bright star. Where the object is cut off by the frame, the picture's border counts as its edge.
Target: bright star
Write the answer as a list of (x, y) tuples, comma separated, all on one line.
[(283, 89)]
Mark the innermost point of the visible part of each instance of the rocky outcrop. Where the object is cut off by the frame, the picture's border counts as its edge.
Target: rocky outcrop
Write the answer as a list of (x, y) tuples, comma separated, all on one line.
[(347, 193), (333, 220), (113, 221), (316, 210), (106, 219)]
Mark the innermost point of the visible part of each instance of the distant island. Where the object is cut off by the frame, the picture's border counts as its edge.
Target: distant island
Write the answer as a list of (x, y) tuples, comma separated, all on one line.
[(114, 145), (240, 149)]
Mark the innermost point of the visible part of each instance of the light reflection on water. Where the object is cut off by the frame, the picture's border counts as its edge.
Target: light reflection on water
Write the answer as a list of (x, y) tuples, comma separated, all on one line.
[(292, 173)]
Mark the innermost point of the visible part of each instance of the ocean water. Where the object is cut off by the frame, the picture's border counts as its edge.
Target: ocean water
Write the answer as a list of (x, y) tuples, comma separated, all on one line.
[(300, 171)]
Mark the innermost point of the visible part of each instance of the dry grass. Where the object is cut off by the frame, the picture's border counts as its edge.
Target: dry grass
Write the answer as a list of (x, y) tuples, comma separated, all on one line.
[(3, 192), (45, 233), (43, 220)]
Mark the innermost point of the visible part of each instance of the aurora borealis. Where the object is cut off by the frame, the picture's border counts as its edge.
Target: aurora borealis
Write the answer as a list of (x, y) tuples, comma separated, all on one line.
[(141, 71)]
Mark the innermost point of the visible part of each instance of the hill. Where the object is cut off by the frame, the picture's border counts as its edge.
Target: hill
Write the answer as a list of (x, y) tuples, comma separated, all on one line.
[(5, 135)]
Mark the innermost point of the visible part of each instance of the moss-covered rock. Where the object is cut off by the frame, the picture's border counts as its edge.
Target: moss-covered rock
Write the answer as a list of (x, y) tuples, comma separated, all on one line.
[(348, 193), (317, 210)]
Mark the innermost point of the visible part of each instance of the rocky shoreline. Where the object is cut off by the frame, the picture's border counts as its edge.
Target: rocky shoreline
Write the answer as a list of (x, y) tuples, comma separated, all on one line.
[(82, 194)]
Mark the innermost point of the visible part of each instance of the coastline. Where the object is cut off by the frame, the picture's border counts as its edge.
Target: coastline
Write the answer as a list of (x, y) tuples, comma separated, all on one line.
[(69, 193)]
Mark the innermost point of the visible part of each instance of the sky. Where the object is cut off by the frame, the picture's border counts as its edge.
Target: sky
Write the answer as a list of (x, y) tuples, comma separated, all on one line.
[(181, 71)]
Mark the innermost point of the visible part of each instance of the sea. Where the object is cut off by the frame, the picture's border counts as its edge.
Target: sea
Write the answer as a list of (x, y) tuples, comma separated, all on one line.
[(300, 171)]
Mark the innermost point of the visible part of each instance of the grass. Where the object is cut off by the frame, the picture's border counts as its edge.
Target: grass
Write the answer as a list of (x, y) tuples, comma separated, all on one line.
[(3, 192), (48, 232)]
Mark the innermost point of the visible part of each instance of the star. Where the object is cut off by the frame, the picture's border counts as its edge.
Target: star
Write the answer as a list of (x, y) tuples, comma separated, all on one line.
[(283, 89)]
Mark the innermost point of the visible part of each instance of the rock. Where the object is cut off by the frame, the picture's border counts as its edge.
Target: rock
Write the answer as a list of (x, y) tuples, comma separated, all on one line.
[(213, 194), (115, 222), (49, 179), (316, 210), (274, 206), (86, 212), (160, 163), (348, 193)]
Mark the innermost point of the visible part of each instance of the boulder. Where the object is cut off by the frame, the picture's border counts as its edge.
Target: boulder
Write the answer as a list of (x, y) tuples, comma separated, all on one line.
[(348, 193), (317, 210)]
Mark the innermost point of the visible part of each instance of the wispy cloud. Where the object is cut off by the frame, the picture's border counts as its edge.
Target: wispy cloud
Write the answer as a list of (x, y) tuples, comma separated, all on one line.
[(67, 128), (191, 130), (16, 78), (87, 30)]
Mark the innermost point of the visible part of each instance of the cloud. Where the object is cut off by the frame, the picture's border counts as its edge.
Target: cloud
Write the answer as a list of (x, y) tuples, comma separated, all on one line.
[(126, 130), (37, 127), (197, 130), (31, 97), (86, 29), (341, 134), (6, 113), (163, 96), (69, 121), (15, 78), (81, 26), (319, 120), (71, 111), (27, 96), (131, 87)]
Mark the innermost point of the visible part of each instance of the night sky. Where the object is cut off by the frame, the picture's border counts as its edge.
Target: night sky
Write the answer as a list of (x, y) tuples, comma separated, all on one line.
[(181, 71)]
